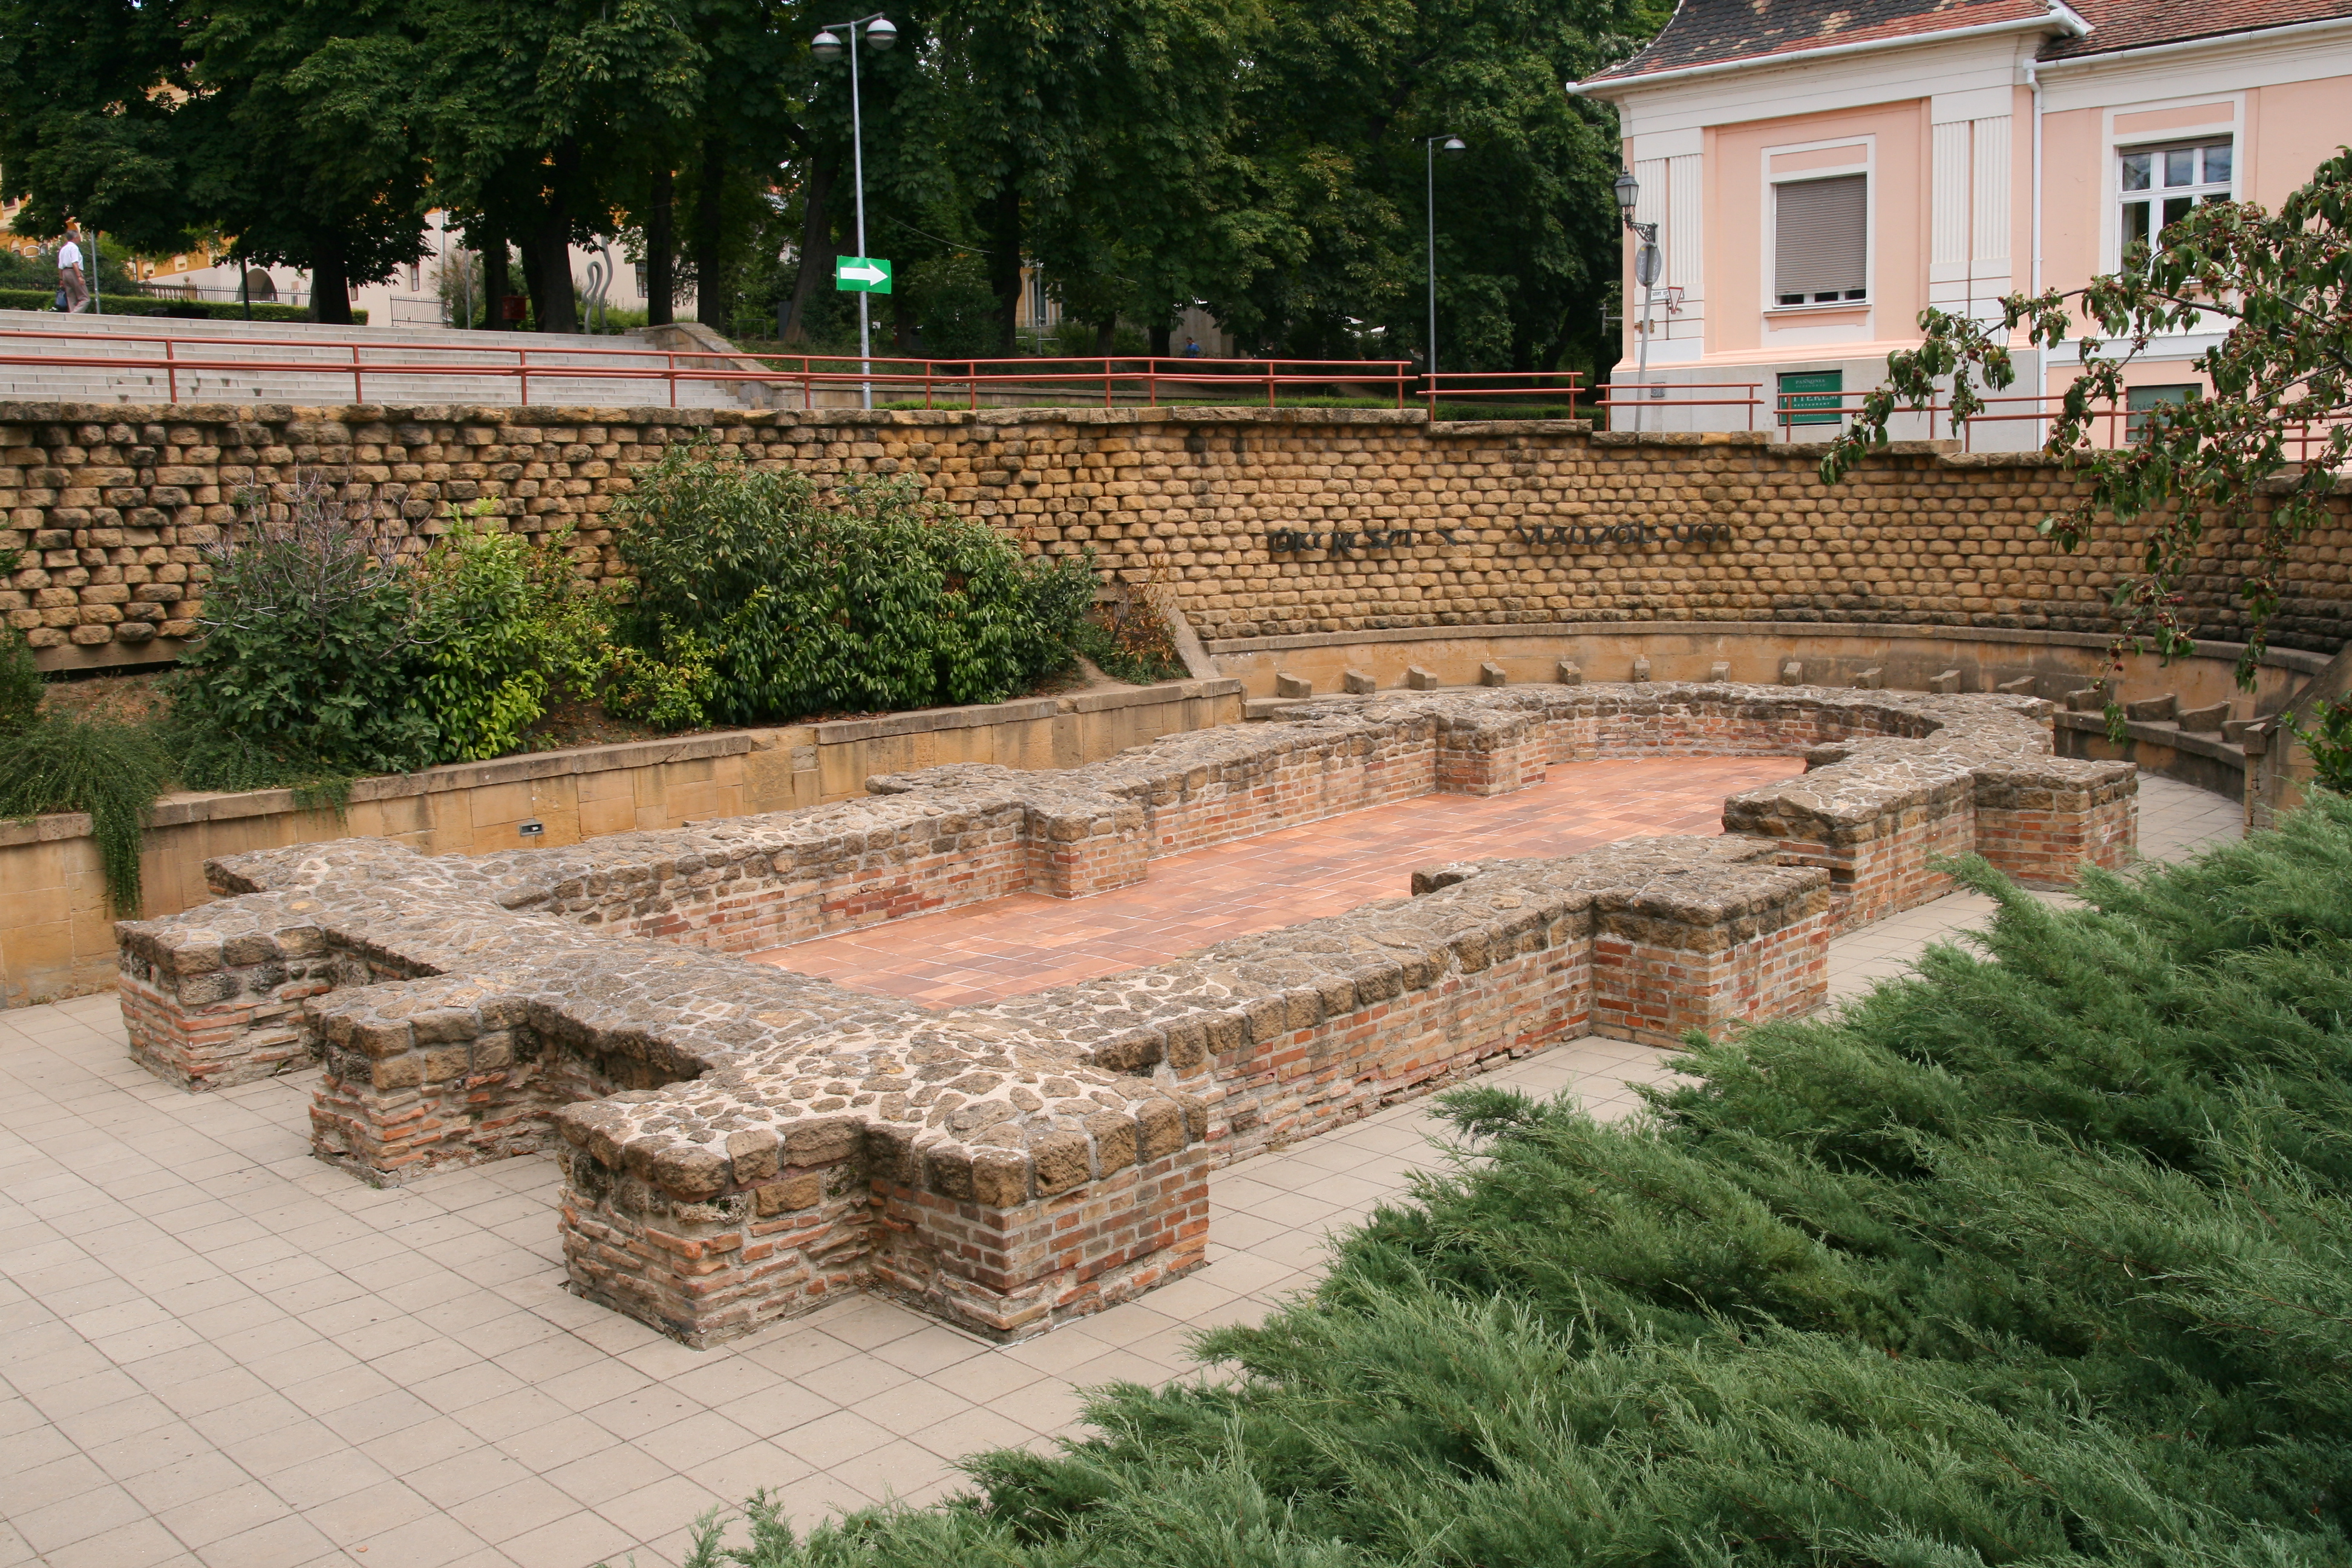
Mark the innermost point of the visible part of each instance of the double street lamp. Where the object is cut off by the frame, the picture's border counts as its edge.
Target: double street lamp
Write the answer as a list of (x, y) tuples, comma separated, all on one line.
[(1429, 146), (1649, 263), (828, 46)]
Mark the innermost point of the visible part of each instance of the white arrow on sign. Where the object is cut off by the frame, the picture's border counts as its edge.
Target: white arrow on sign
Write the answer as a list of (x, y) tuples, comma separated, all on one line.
[(869, 273)]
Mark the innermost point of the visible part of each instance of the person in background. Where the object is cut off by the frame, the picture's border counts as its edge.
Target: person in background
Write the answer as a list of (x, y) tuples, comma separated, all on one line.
[(73, 281), (1192, 349)]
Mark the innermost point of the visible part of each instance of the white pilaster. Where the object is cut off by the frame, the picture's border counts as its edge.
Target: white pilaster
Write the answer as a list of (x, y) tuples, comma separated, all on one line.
[(1948, 201), (1685, 241)]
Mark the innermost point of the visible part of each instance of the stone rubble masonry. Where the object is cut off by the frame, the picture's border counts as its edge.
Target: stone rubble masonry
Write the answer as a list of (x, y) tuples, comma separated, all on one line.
[(742, 1142), (115, 504)]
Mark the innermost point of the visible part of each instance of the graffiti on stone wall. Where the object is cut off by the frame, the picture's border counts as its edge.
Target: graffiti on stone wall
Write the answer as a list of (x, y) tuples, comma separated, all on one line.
[(1595, 535)]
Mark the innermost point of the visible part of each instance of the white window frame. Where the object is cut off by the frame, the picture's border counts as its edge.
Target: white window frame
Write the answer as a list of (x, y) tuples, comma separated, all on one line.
[(2114, 144), (1867, 167)]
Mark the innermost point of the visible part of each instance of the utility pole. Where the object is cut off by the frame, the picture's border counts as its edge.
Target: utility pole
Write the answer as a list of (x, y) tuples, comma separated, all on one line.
[(880, 33), (1429, 146)]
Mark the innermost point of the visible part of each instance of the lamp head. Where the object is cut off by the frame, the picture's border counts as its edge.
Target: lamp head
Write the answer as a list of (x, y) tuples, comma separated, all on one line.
[(827, 48), (1629, 192), (1452, 144), (881, 35)]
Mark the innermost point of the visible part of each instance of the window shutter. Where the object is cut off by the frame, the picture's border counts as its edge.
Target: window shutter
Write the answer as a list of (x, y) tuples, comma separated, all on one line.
[(1818, 241)]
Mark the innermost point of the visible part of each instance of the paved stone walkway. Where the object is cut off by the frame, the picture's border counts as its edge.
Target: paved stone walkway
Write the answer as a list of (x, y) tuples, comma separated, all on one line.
[(215, 1351), (1012, 946)]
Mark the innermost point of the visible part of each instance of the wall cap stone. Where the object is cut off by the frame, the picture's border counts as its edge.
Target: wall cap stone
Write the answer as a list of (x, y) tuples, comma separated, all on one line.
[(2296, 659)]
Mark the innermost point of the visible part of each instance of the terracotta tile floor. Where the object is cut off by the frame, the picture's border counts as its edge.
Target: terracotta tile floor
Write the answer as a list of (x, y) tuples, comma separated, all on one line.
[(1011, 946)]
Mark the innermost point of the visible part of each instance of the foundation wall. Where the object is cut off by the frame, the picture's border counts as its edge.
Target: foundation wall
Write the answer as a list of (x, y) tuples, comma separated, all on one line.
[(57, 934), (743, 1142)]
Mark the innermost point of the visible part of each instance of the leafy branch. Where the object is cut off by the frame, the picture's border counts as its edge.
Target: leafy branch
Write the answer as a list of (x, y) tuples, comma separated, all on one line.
[(2258, 454)]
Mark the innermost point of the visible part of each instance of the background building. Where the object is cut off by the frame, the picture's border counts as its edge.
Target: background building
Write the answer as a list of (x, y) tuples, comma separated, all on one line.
[(1819, 174)]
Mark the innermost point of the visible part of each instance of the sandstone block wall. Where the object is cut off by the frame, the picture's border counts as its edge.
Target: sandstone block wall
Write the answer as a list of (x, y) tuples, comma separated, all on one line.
[(743, 1140), (1265, 523)]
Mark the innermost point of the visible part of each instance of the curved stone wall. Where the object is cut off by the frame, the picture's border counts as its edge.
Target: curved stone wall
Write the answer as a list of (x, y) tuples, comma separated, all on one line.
[(742, 1141)]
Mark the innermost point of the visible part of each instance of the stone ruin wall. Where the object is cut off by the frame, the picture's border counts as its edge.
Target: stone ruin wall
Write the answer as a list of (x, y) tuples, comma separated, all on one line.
[(1263, 522), (742, 1141)]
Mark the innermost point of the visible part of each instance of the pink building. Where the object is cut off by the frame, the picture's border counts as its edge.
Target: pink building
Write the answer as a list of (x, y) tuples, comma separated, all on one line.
[(1820, 171)]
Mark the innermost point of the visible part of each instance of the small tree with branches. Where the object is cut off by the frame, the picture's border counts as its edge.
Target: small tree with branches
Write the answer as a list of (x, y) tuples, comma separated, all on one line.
[(2261, 453)]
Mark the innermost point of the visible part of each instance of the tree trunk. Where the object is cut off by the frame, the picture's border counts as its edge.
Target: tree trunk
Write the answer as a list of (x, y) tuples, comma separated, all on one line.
[(530, 260), (709, 229), (495, 282), (1004, 263), (1159, 334), (816, 243), (1106, 336), (553, 300), (902, 324), (330, 296), (661, 248)]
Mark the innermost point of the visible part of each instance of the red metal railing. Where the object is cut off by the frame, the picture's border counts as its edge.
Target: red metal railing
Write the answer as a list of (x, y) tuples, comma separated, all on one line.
[(1476, 385), (1115, 378), (939, 382), (1662, 396)]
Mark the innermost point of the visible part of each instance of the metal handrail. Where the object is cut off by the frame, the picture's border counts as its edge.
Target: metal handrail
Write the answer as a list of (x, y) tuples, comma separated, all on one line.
[(1544, 383), (1751, 402), (1117, 376)]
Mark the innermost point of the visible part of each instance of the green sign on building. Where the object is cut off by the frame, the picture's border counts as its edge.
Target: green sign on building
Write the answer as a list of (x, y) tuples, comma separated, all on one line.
[(1804, 391), (861, 275)]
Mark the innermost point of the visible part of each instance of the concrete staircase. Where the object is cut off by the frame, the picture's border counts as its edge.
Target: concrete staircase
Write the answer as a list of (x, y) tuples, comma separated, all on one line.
[(133, 371)]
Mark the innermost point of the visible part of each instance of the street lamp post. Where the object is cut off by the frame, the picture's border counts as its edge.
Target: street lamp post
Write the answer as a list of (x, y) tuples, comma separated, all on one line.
[(1648, 263), (826, 47), (1429, 146)]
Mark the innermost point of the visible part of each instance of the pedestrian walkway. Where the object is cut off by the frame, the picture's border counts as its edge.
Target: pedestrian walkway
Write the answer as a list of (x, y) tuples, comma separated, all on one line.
[(215, 1351), (116, 361)]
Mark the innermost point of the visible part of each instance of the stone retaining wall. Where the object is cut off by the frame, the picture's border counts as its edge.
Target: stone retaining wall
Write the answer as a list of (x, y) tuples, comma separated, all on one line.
[(1264, 522), (743, 1140)]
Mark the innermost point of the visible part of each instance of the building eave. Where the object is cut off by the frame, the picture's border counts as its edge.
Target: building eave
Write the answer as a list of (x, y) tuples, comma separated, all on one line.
[(2058, 18), (2136, 52)]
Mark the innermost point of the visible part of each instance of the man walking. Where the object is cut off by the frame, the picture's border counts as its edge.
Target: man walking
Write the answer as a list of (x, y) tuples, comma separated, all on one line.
[(73, 283)]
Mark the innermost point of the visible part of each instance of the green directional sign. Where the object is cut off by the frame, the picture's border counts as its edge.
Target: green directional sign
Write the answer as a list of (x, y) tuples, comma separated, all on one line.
[(861, 275)]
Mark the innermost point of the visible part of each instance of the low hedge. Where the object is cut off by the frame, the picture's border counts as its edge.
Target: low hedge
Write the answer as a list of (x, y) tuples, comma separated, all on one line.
[(186, 309)]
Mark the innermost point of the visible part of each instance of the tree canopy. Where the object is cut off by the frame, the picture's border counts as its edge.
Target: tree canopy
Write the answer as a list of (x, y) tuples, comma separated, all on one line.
[(1259, 157)]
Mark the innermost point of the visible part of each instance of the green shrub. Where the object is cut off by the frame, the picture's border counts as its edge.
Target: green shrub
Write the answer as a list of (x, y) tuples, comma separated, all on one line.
[(505, 623), (20, 683), (674, 695), (879, 602), (113, 771), (312, 651), (2329, 741), (2037, 1258)]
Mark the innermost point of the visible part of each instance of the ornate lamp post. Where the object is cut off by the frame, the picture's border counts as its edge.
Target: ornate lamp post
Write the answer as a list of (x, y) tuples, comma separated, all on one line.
[(1429, 146), (828, 46), (1648, 265)]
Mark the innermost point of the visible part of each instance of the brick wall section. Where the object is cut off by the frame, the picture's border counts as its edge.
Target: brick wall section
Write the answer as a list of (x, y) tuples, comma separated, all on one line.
[(743, 1142), (117, 502), (2043, 834)]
